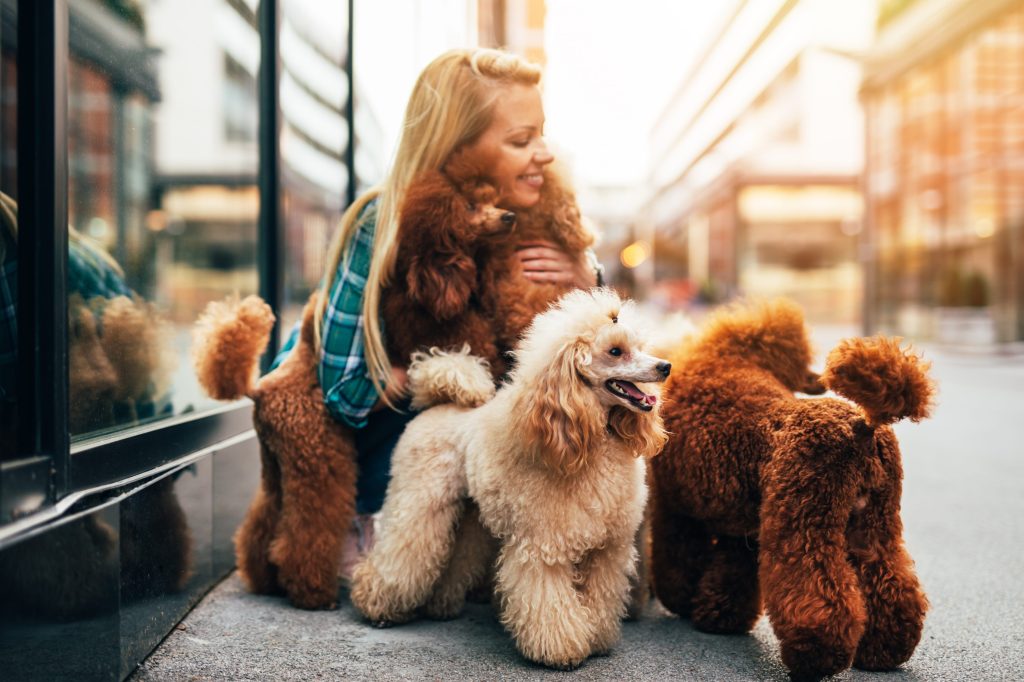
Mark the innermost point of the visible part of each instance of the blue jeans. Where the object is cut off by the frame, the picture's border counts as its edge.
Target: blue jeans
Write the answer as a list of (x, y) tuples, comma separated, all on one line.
[(374, 444)]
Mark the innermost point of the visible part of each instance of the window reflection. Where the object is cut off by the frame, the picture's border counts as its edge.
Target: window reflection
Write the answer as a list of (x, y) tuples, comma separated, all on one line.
[(314, 140), (8, 226), (162, 197)]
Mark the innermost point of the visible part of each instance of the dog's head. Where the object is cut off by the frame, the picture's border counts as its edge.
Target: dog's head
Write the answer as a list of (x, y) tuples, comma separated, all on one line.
[(446, 218), (582, 371), (468, 175), (770, 334)]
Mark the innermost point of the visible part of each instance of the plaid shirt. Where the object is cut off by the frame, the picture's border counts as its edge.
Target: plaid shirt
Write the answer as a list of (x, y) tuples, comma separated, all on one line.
[(348, 391)]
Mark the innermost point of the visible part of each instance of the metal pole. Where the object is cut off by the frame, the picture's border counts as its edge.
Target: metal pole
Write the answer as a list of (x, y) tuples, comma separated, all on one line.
[(271, 222)]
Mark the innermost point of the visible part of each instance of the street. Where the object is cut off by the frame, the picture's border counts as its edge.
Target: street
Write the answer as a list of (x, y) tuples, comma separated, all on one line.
[(962, 510)]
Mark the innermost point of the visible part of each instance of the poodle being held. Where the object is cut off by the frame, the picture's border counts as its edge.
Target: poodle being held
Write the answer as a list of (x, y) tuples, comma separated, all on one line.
[(545, 478), (763, 497), (448, 230)]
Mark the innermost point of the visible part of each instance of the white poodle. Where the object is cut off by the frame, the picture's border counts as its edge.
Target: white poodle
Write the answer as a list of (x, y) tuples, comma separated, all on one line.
[(542, 483)]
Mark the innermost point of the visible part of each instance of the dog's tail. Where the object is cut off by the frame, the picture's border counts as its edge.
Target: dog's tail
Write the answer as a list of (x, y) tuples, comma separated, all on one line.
[(888, 382), (227, 342), (438, 377)]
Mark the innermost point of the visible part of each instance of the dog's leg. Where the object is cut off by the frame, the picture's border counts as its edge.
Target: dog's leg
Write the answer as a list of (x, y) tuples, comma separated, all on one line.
[(679, 554), (317, 508), (605, 590), (542, 609), (896, 604), (640, 582), (810, 590), (253, 537), (727, 599), (471, 557), (417, 530)]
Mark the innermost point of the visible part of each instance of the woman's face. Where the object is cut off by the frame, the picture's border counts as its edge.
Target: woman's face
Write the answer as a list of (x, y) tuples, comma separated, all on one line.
[(515, 140)]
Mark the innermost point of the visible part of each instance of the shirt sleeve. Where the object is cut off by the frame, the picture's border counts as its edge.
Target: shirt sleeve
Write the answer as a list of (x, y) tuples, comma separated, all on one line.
[(348, 391)]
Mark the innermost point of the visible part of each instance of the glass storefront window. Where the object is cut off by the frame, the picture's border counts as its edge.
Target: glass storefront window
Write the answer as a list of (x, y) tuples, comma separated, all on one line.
[(162, 197), (314, 141), (8, 227)]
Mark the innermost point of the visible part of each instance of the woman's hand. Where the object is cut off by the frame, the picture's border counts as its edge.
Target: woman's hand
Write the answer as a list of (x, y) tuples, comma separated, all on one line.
[(545, 262), (395, 388)]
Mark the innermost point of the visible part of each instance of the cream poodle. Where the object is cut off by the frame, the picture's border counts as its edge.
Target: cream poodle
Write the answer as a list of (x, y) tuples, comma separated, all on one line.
[(539, 487)]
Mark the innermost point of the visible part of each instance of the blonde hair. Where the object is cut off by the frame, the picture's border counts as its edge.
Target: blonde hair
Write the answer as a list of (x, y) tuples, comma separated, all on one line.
[(9, 220), (451, 105)]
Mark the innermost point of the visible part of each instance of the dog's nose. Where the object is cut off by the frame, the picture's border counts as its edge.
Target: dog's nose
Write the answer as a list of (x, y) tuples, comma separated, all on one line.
[(665, 368), (509, 218)]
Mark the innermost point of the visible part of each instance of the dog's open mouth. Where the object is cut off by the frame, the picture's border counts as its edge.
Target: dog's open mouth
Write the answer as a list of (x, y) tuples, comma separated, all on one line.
[(630, 393)]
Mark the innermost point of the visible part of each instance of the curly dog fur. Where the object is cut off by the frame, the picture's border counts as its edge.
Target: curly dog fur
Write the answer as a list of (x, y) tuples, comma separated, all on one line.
[(761, 497), (458, 277), (448, 230), (543, 482), (447, 256), (292, 535), (510, 298)]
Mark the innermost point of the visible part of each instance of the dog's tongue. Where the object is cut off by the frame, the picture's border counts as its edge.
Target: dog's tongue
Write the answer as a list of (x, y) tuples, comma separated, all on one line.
[(636, 393)]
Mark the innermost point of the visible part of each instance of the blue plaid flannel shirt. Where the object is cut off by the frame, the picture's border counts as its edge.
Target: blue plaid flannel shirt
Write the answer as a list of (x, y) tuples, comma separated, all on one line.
[(344, 375)]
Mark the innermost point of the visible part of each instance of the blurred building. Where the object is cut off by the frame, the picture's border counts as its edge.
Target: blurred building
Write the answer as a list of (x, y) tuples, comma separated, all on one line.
[(756, 161), (208, 196), (514, 25), (943, 94)]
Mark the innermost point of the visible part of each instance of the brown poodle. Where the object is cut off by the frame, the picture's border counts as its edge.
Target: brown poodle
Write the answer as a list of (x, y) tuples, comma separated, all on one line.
[(764, 498), (544, 481), (292, 535), (448, 229), (458, 278)]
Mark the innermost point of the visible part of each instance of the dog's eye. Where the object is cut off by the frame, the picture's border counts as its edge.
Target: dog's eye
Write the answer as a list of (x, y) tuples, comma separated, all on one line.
[(471, 206), (616, 351)]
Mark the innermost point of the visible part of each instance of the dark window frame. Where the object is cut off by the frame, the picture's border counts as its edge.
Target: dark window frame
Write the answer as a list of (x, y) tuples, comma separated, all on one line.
[(47, 467)]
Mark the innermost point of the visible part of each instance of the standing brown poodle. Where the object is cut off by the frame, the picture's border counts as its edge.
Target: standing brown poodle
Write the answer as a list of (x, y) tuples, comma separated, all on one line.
[(292, 535), (761, 497)]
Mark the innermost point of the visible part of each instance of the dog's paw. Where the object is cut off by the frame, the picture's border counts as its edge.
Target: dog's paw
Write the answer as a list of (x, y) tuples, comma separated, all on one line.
[(444, 606)]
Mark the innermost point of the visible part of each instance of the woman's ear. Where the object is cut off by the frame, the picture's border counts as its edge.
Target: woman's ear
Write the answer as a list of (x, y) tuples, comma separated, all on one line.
[(563, 420), (643, 432), (442, 283)]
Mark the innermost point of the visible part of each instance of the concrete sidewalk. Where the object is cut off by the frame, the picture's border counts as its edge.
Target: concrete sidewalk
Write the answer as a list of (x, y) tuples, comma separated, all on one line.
[(963, 512)]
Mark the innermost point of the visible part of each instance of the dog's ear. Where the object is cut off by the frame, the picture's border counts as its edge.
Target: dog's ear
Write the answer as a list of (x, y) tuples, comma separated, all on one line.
[(643, 432), (442, 283), (562, 418), (436, 230)]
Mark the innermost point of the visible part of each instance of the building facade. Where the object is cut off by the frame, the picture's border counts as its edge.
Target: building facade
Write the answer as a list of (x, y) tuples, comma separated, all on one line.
[(757, 159), (944, 180)]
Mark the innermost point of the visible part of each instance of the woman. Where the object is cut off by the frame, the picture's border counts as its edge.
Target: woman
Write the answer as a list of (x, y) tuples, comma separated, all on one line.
[(489, 102)]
